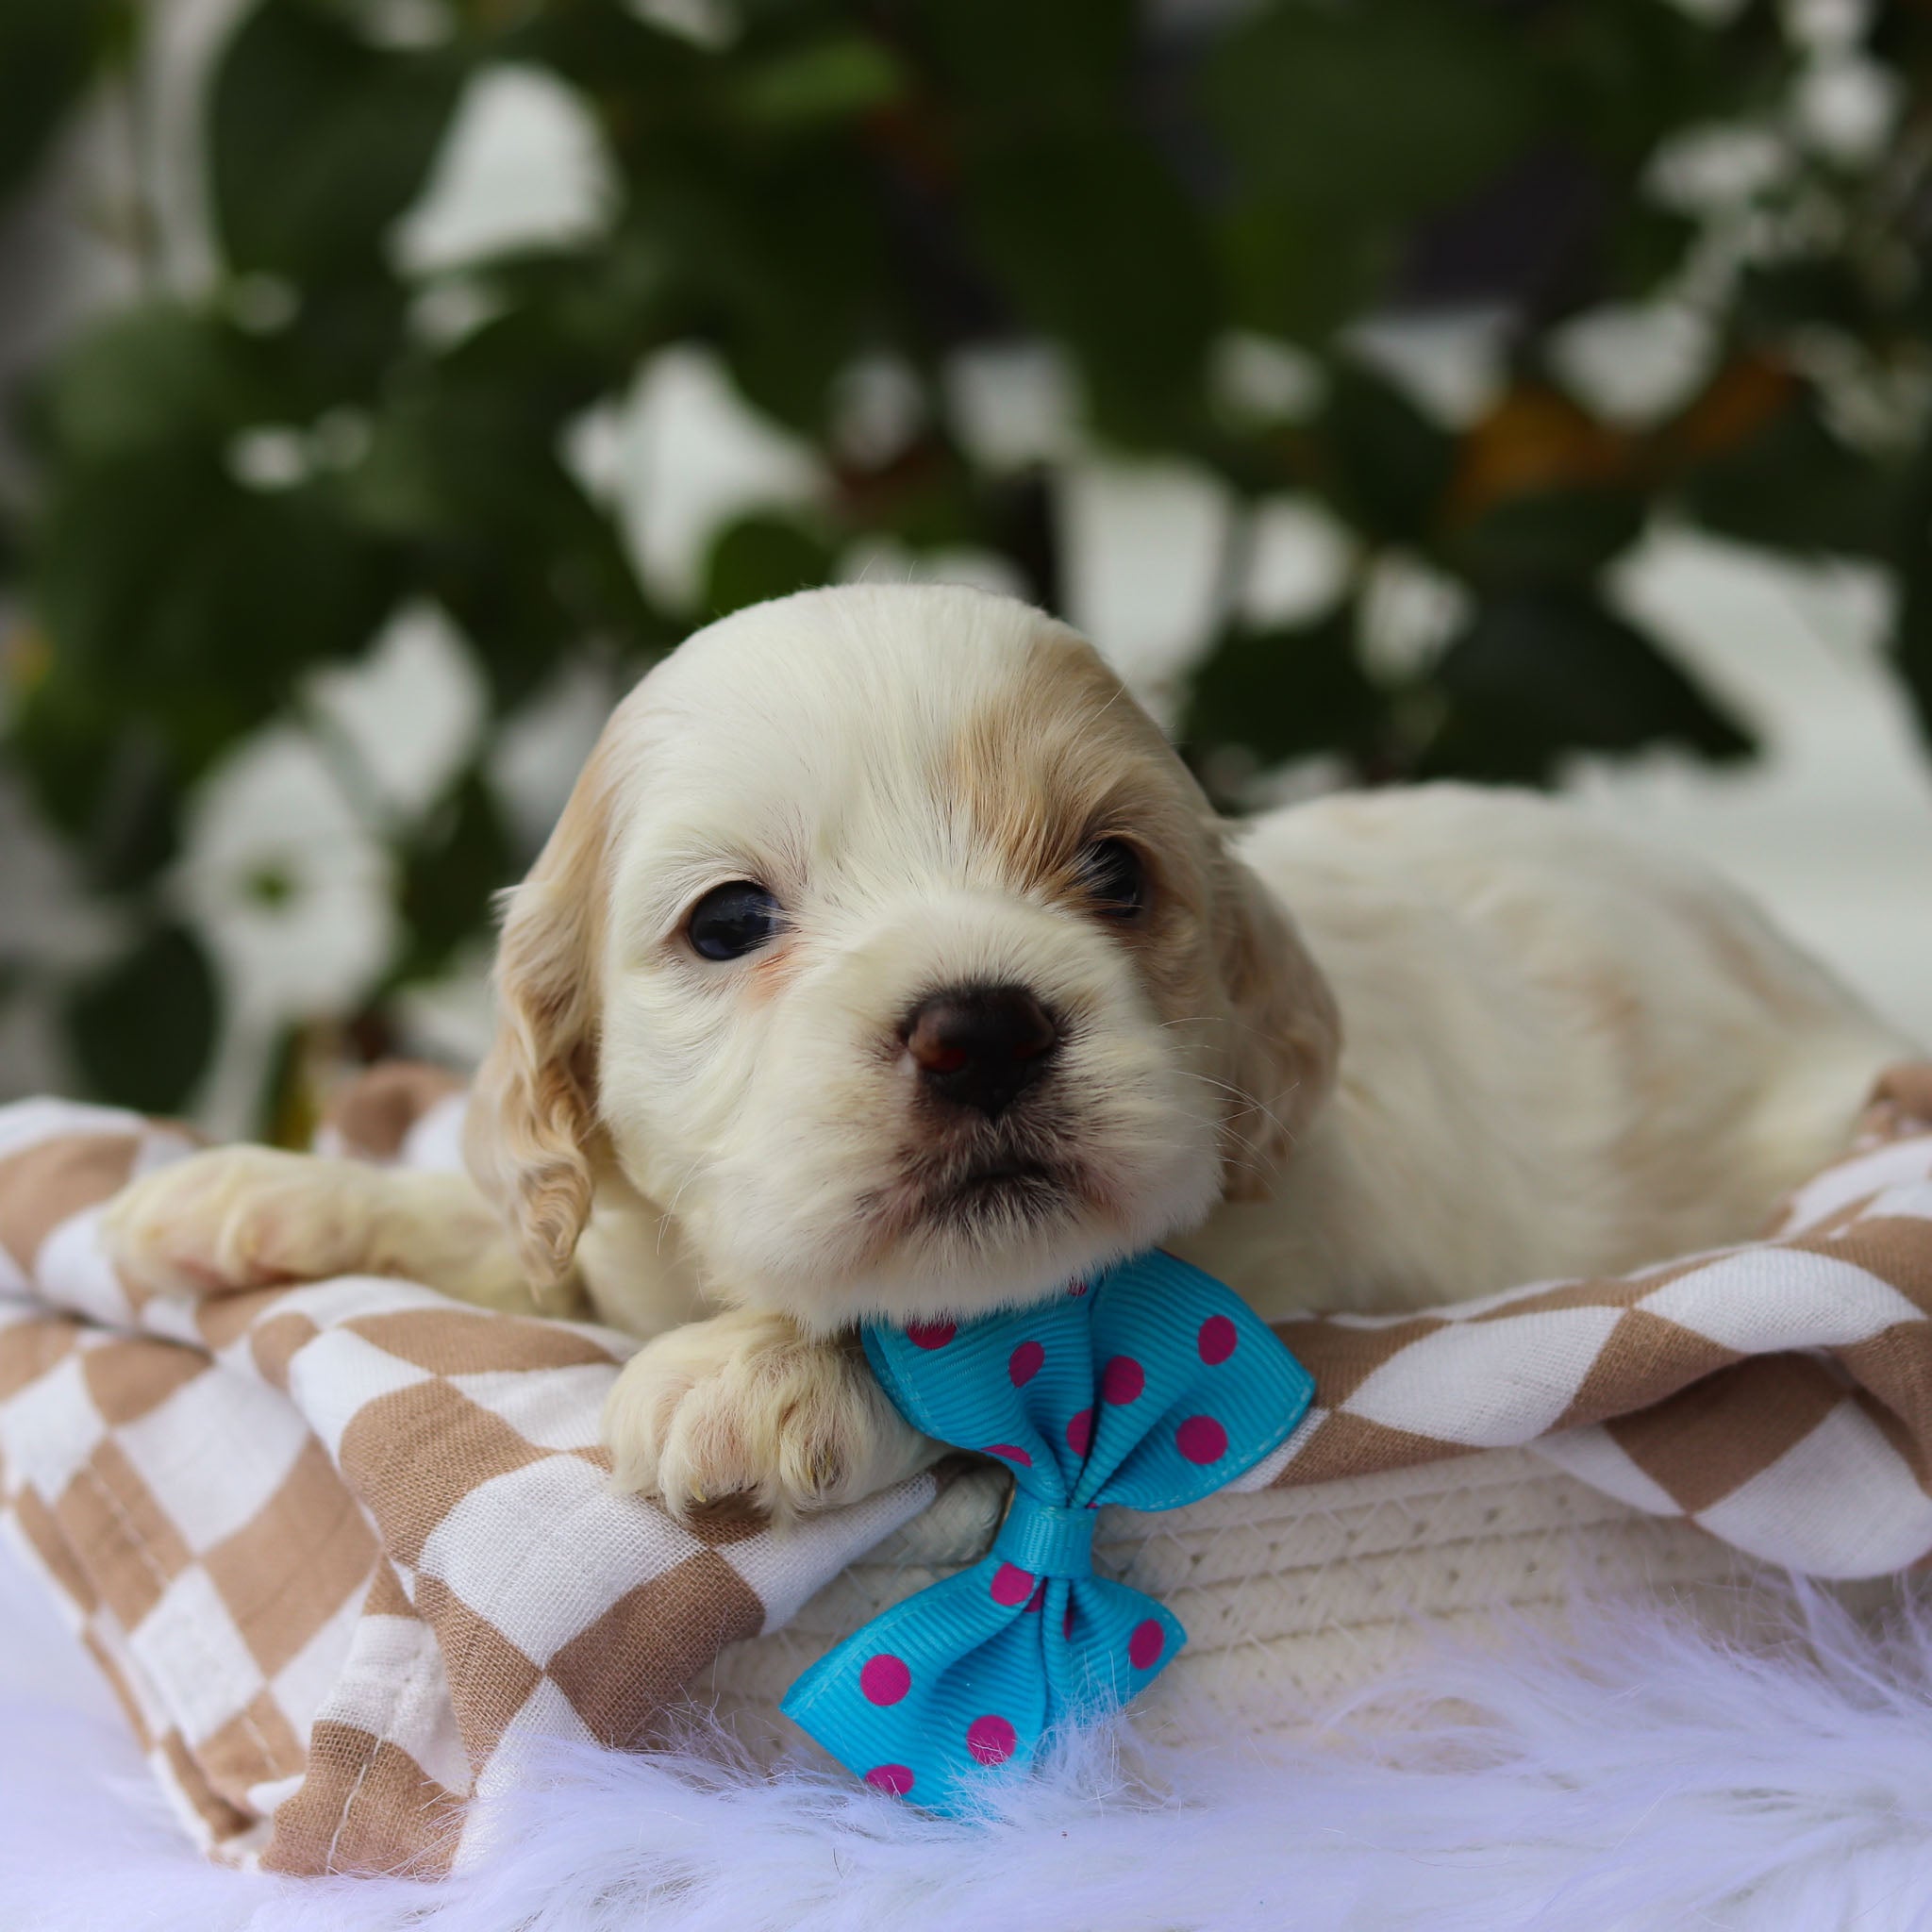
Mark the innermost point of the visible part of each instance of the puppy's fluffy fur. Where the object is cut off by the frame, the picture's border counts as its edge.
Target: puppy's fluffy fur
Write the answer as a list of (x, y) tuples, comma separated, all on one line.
[(1374, 1052)]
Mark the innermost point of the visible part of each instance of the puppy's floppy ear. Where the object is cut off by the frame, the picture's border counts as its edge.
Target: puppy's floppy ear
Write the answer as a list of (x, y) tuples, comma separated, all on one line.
[(1287, 1028), (532, 1123)]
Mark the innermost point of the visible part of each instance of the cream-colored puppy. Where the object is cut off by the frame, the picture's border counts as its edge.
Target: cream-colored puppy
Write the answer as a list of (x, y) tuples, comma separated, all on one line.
[(886, 962)]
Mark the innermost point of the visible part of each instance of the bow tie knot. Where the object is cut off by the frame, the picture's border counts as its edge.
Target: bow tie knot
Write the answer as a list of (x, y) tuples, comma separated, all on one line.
[(1044, 1540), (1156, 1389)]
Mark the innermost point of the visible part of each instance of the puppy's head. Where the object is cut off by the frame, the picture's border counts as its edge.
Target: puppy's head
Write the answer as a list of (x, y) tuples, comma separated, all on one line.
[(888, 949)]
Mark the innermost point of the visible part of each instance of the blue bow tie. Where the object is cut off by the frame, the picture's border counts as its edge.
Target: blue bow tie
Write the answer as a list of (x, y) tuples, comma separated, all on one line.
[(1156, 1389)]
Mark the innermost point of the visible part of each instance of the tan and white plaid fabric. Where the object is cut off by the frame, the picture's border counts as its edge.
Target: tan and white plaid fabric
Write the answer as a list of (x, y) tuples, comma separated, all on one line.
[(345, 1549), (348, 1552), (1778, 1393)]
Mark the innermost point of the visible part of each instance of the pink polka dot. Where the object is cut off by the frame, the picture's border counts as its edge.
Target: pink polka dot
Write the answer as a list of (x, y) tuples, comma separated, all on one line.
[(1201, 1439), (930, 1335), (1122, 1380), (991, 1739), (1216, 1340), (1076, 1288), (1067, 1621), (1080, 1432), (895, 1778), (886, 1678), (1038, 1598), (1012, 1452), (1011, 1585), (1145, 1646), (1023, 1363)]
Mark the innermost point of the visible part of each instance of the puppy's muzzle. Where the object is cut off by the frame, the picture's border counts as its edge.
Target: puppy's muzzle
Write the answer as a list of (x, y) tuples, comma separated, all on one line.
[(980, 1047)]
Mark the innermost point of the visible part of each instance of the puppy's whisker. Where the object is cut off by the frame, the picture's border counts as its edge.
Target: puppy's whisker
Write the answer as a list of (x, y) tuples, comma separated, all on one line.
[(664, 1218)]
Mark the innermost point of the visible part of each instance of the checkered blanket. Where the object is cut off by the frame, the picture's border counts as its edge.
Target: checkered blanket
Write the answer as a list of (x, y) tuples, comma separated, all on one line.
[(347, 1551)]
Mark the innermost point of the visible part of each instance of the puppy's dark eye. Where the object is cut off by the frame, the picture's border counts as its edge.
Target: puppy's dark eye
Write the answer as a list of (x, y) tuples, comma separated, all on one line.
[(1112, 871), (733, 919)]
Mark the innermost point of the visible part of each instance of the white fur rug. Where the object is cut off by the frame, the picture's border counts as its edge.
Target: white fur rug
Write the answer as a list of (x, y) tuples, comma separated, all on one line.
[(1640, 1777)]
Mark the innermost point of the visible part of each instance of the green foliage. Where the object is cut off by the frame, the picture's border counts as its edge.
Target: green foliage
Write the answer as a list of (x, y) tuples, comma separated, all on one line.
[(49, 50), (237, 484), (1295, 691), (1539, 673), (142, 1029), (317, 140)]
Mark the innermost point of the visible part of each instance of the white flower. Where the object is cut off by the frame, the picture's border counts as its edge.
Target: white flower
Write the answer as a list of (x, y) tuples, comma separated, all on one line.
[(522, 165), (453, 1016), (539, 750), (1255, 381), (878, 409), (271, 456), (1299, 562), (1634, 364), (410, 713), (1449, 365), (51, 917), (1014, 404), (681, 457), (1143, 544), (710, 24), (1826, 24), (1715, 167), (1410, 613), (1846, 105), (284, 881)]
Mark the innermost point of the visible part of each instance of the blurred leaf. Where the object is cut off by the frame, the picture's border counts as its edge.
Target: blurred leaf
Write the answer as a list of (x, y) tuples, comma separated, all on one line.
[(1621, 75), (826, 81), (642, 78), (1287, 692), (1793, 486), (1395, 108), (134, 826), (317, 140), (342, 345), (1388, 465), (1645, 245), (1075, 215), (463, 476), (151, 374), (104, 779), (1134, 296), (776, 257), (178, 594), (450, 869), (1300, 272), (1534, 673), (141, 1031), (1044, 63), (1774, 297), (759, 557), (48, 52), (1555, 536)]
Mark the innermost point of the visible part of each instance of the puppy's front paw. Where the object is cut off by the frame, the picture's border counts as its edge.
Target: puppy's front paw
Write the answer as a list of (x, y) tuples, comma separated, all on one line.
[(747, 1406), (234, 1218)]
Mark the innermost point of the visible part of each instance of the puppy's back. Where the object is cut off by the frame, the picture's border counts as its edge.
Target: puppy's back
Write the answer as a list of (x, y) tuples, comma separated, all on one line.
[(1564, 1051)]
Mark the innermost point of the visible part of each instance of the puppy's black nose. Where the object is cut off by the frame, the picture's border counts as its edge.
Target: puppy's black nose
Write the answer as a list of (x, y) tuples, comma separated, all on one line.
[(980, 1046)]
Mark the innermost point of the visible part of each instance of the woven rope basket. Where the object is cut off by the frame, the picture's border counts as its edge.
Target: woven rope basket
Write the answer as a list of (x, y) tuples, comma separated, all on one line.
[(1291, 1598)]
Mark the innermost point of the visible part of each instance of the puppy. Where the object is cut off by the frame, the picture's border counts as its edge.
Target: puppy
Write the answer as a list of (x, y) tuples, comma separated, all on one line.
[(886, 962)]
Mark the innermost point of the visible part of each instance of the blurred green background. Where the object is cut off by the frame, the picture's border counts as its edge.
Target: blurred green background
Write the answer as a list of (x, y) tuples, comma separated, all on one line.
[(456, 357)]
